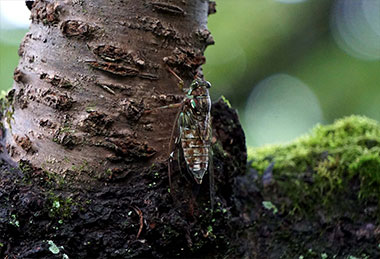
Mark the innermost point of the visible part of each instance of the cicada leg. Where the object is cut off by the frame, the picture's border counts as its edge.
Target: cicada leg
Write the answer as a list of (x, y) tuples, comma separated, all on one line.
[(174, 105), (179, 159), (171, 150), (211, 179), (171, 157), (181, 84)]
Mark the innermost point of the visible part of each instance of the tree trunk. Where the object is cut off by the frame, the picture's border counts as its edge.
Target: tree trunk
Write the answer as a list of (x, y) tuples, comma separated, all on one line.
[(93, 181), (87, 72)]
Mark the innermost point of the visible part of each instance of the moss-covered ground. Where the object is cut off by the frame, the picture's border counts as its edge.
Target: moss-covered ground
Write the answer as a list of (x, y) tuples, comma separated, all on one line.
[(320, 193)]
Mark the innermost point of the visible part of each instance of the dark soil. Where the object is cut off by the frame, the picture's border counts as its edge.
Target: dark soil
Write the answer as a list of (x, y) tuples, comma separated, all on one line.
[(347, 229)]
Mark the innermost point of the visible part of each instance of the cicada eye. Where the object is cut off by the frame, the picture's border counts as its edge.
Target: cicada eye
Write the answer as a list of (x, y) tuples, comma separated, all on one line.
[(195, 84)]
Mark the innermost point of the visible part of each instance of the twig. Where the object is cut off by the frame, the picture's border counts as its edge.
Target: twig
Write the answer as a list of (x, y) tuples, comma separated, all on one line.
[(139, 212)]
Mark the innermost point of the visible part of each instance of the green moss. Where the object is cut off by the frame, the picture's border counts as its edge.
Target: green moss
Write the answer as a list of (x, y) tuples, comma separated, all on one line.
[(60, 207), (52, 179), (316, 168), (14, 221), (368, 168), (226, 101)]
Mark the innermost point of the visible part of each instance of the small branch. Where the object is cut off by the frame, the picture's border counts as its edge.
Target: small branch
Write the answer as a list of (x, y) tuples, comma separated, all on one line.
[(139, 212)]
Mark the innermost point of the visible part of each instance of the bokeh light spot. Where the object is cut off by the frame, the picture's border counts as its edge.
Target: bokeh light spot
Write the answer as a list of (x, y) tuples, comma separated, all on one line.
[(14, 14), (14, 21), (279, 109), (355, 27), (371, 11)]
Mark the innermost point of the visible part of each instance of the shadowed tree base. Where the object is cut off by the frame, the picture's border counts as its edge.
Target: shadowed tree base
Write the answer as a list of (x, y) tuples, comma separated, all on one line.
[(123, 216)]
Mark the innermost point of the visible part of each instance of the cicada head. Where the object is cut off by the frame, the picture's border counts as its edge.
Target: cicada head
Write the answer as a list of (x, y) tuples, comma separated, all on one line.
[(199, 87), (200, 98)]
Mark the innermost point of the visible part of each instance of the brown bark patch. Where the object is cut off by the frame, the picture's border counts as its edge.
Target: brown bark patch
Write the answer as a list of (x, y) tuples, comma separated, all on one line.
[(133, 110), (188, 58), (115, 54), (18, 75), (97, 123), (110, 53), (167, 8), (155, 26), (129, 148), (22, 99), (47, 13), (73, 28), (206, 37), (24, 142), (45, 123), (56, 81), (111, 88), (58, 101), (65, 137), (26, 40), (211, 7), (113, 68)]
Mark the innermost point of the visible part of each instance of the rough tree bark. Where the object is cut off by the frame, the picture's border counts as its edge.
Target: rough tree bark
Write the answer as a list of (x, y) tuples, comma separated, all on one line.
[(89, 69), (93, 166)]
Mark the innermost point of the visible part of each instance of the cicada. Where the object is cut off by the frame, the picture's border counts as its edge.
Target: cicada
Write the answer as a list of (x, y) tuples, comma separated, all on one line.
[(194, 132), (194, 126)]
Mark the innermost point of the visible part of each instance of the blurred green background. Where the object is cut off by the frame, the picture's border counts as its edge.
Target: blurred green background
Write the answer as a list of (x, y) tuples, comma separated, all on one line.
[(286, 65)]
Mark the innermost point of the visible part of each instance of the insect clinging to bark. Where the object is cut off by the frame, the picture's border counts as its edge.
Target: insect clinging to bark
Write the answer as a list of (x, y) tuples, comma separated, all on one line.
[(193, 123)]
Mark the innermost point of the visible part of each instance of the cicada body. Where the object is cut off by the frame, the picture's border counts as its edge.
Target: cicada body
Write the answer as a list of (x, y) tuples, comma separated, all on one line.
[(193, 124), (195, 132)]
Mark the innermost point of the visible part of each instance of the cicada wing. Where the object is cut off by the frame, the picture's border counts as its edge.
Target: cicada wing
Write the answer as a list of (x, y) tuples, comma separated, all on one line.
[(176, 142), (211, 169)]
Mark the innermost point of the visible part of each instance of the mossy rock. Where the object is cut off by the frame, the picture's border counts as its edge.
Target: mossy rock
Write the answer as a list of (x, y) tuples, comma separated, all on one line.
[(333, 167)]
